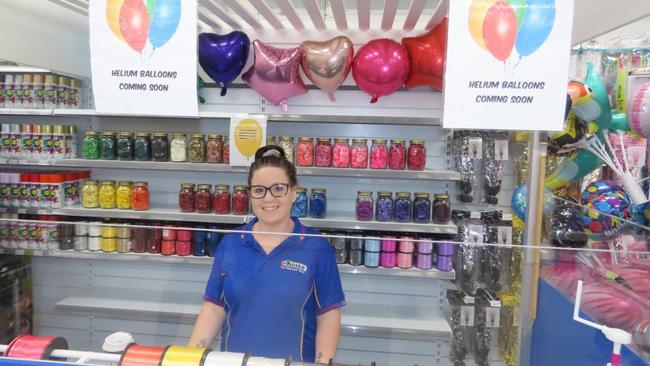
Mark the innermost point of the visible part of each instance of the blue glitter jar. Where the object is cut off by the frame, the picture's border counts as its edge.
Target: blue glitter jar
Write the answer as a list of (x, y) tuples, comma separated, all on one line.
[(384, 207), (299, 208), (318, 203), (421, 208), (402, 207)]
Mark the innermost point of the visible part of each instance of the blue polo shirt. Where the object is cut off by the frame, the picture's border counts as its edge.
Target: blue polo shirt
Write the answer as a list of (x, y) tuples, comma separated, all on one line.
[(271, 301)]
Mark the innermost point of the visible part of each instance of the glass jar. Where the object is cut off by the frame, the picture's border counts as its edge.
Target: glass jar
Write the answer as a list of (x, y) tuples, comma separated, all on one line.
[(359, 154), (178, 148), (240, 200), (108, 145), (125, 146), (299, 208), (160, 147), (402, 207), (364, 206), (203, 198), (90, 194), (142, 146), (384, 207), (226, 149), (286, 143), (397, 155), (123, 195), (341, 153), (323, 152), (196, 150), (107, 197), (378, 154), (318, 203), (417, 155), (221, 204), (186, 197), (140, 196), (214, 149), (270, 140), (441, 209), (90, 145), (421, 208), (305, 152)]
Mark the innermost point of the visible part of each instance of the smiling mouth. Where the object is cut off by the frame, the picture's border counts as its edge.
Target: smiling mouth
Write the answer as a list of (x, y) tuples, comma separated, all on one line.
[(272, 208)]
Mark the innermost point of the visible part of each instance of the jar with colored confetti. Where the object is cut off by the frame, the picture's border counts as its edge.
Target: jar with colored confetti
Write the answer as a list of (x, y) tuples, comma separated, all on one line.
[(107, 194), (359, 154), (203, 198), (378, 154), (364, 206), (90, 194), (221, 204), (323, 152), (417, 155), (123, 195), (305, 152), (318, 203), (140, 196), (341, 153), (240, 200), (186, 197), (397, 155)]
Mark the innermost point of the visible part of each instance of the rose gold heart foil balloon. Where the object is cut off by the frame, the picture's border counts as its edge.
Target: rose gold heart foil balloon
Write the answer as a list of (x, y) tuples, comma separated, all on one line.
[(275, 73), (327, 63)]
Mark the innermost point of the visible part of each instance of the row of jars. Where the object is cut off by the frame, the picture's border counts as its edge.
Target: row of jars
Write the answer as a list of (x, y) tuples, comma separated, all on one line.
[(159, 146), (402, 209), (202, 199), (342, 154), (315, 205), (36, 141), (108, 194)]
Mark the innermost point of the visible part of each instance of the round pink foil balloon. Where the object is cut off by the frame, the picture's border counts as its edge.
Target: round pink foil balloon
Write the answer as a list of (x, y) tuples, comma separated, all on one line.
[(327, 63), (275, 73), (380, 67)]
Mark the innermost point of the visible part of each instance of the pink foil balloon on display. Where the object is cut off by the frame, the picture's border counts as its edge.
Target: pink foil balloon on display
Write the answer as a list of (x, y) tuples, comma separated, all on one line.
[(327, 63), (275, 73), (380, 67)]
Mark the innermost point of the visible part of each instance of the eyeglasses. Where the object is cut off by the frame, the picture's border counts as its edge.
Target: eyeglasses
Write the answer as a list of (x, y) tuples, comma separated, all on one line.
[(277, 190)]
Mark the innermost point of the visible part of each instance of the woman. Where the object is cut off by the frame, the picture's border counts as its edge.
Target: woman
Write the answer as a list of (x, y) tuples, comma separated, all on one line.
[(271, 294)]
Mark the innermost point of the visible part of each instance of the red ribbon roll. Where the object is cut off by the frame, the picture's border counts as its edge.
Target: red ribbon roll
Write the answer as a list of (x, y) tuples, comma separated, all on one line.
[(34, 348), (136, 355)]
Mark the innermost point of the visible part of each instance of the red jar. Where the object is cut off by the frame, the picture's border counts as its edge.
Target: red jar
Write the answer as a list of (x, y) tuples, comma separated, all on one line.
[(378, 154), (183, 248), (341, 154), (186, 197), (305, 152), (359, 154), (417, 155), (221, 202), (203, 198), (168, 247), (225, 154), (140, 196), (240, 200), (397, 155), (323, 152)]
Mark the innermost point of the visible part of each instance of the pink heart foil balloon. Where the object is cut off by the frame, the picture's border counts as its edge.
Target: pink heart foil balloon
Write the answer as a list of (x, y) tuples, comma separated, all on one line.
[(380, 67), (327, 63), (275, 73)]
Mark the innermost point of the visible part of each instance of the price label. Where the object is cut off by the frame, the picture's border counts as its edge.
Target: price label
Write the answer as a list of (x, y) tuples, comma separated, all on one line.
[(467, 316), (507, 217), (501, 149), (475, 148), (468, 299), (475, 215), (504, 234), (475, 234)]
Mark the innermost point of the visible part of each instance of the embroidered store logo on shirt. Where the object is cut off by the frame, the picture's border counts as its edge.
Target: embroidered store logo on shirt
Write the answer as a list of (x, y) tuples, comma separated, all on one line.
[(293, 266)]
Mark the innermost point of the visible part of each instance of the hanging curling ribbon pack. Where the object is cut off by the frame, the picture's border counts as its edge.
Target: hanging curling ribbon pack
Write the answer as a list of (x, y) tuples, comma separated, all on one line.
[(34, 348)]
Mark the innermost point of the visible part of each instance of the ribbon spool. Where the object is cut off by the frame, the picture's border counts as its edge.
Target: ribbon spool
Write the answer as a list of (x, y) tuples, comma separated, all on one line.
[(34, 348), (262, 361), (184, 356), (136, 355), (224, 359)]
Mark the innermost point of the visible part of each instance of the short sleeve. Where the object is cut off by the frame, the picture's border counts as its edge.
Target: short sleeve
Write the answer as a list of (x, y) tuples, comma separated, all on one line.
[(327, 282), (214, 289)]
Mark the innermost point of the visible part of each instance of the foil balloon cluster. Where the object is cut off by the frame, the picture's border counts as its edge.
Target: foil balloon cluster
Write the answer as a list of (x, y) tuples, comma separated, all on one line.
[(607, 207), (136, 21), (223, 57), (503, 25), (380, 67), (327, 63), (427, 54), (567, 227)]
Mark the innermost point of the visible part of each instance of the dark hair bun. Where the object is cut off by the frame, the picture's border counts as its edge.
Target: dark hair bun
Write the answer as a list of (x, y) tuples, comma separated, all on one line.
[(268, 151)]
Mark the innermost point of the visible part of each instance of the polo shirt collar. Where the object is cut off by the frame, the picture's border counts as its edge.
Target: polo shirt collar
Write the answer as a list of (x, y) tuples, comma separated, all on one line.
[(298, 228)]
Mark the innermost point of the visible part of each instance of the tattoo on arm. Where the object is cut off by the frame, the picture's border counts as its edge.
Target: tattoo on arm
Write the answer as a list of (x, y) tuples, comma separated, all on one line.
[(319, 357), (203, 343)]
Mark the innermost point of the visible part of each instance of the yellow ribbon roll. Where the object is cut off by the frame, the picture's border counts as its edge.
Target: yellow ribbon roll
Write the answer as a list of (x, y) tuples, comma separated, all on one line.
[(184, 356)]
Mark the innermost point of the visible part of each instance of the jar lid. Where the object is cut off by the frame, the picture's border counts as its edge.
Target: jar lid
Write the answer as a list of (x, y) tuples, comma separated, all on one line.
[(397, 141), (48, 129), (443, 196), (160, 134), (301, 189), (364, 193), (108, 182), (179, 135), (270, 139), (286, 138), (104, 133), (140, 184), (421, 195), (318, 190), (57, 129), (66, 129), (188, 185), (341, 139), (403, 194), (89, 132), (222, 187), (324, 139), (89, 182), (125, 134), (360, 141), (240, 188), (198, 136), (215, 136), (143, 134), (378, 141), (125, 183), (205, 186), (385, 193), (305, 138), (417, 142)]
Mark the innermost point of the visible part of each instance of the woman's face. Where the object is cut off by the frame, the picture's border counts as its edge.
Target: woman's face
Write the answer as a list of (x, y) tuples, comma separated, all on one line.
[(269, 209)]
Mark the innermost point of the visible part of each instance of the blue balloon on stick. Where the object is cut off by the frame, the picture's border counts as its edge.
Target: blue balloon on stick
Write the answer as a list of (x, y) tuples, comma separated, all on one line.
[(520, 201), (165, 18), (536, 26), (223, 57)]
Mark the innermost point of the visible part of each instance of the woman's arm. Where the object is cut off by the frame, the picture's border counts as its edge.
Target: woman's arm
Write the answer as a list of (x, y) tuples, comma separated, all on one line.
[(328, 330), (208, 325)]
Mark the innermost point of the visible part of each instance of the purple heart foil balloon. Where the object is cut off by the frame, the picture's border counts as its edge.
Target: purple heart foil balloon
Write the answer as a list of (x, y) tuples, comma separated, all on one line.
[(223, 57), (275, 73)]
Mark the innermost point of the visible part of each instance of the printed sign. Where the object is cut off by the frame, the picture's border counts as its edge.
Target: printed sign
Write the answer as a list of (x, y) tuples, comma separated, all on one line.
[(507, 64), (143, 56), (247, 134)]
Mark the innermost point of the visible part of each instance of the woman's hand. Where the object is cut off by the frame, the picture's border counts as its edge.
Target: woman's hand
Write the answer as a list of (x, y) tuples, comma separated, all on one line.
[(328, 331), (208, 325)]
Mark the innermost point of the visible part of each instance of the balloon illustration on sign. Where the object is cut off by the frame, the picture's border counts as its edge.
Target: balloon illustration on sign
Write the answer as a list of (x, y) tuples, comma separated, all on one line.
[(248, 137), (136, 21), (501, 26)]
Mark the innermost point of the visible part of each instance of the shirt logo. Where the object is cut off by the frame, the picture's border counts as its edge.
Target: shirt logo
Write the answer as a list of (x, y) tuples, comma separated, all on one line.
[(293, 266)]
